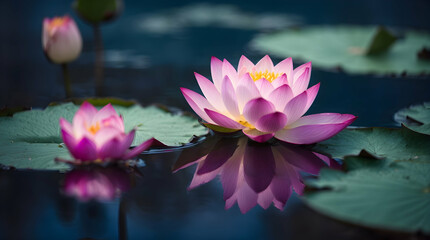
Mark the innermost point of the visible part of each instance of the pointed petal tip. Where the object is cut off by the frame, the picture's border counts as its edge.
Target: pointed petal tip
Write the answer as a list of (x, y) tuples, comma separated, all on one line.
[(196, 74), (184, 90)]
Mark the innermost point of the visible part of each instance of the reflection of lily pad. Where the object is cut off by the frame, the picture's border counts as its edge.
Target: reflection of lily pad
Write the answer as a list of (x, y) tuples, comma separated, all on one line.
[(345, 47), (395, 145), (31, 139), (416, 118), (388, 198)]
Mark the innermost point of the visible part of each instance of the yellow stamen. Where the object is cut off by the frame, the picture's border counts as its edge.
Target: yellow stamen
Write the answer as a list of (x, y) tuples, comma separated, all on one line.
[(57, 22), (93, 129), (246, 124), (269, 76)]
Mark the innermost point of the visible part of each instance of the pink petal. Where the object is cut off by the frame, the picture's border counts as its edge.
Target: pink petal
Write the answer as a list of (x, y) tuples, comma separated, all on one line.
[(106, 134), (68, 140), (65, 125), (222, 120), (296, 107), (229, 97), (271, 122), (285, 66), (281, 96), (139, 149), (112, 149), (279, 81), (264, 86), (312, 94), (323, 118), (128, 139), (230, 71), (300, 70), (216, 71), (116, 121), (315, 128), (88, 109), (79, 124), (197, 102), (256, 108), (106, 112), (302, 82), (246, 91), (210, 92), (264, 64), (85, 150), (245, 66), (258, 136)]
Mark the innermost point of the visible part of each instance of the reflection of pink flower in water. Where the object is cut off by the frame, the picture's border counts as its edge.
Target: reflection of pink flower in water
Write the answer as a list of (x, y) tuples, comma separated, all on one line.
[(96, 184), (253, 173)]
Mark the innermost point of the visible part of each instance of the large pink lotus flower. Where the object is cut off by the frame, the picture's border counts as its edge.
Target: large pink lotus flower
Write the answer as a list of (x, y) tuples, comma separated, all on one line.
[(61, 39), (98, 136), (253, 173), (263, 101), (100, 184)]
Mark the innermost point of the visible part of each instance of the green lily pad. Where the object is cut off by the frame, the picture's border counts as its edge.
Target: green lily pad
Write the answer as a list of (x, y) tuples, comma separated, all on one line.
[(386, 184), (31, 139), (416, 118), (393, 145), (345, 47), (394, 198)]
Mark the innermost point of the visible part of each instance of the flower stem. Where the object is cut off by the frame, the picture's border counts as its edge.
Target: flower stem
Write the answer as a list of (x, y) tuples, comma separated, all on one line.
[(67, 82), (122, 220), (98, 67)]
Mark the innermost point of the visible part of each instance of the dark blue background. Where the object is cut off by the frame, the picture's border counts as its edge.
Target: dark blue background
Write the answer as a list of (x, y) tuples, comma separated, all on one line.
[(31, 206)]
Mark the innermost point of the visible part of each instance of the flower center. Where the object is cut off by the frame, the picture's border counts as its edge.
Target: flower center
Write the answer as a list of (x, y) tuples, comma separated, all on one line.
[(269, 76), (57, 22), (246, 124), (93, 129)]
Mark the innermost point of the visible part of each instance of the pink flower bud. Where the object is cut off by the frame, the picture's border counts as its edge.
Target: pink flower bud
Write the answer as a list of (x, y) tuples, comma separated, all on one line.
[(61, 39)]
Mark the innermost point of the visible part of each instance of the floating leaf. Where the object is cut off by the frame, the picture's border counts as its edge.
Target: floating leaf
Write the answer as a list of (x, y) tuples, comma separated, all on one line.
[(374, 196), (31, 139), (170, 129), (394, 145), (416, 118), (345, 47)]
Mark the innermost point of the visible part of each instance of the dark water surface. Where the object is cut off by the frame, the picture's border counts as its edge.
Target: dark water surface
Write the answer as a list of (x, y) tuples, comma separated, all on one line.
[(150, 67)]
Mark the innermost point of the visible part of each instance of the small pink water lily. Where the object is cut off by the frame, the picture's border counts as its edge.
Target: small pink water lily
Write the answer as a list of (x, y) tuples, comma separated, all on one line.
[(98, 136), (61, 39), (263, 101)]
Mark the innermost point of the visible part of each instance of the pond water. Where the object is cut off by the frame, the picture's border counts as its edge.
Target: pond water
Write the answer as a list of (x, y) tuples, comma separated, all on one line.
[(150, 66)]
